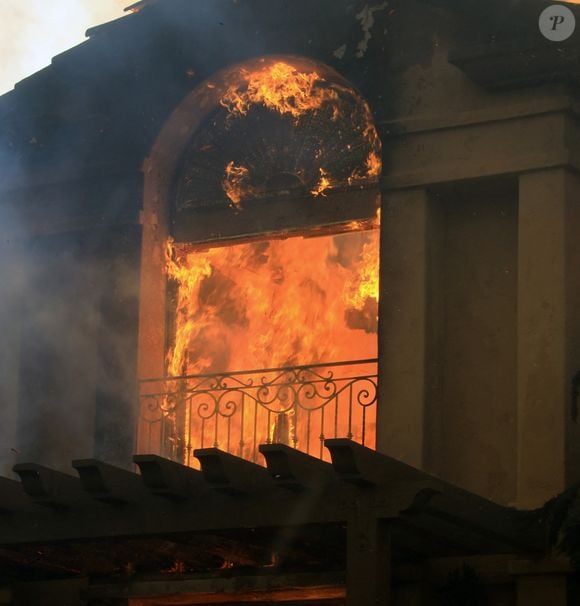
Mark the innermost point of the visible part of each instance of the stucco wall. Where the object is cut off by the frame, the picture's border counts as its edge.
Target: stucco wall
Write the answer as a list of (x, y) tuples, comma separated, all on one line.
[(471, 369)]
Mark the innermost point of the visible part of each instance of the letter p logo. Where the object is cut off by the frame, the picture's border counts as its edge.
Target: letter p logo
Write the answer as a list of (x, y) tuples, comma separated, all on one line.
[(557, 20), (557, 23)]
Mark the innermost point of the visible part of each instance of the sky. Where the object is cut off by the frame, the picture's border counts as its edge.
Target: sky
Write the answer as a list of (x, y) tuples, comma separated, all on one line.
[(34, 31)]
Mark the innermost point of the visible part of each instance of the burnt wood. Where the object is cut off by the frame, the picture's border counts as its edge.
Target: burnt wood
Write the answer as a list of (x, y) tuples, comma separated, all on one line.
[(284, 214), (224, 590), (236, 495)]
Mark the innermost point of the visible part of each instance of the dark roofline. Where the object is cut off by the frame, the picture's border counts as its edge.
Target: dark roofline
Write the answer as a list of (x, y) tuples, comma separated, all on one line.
[(137, 6)]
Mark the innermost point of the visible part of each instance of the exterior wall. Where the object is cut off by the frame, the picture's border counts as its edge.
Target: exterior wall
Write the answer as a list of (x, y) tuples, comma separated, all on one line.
[(548, 317), (69, 319), (402, 322), (479, 309), (471, 375)]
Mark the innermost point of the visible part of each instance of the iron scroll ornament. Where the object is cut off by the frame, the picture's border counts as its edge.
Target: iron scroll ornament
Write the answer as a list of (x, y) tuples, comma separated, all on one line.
[(300, 406)]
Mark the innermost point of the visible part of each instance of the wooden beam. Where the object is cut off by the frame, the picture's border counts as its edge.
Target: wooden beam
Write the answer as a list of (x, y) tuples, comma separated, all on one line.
[(260, 587), (368, 573), (168, 479), (283, 596), (295, 470), (108, 483), (482, 523), (230, 474), (49, 487), (359, 465)]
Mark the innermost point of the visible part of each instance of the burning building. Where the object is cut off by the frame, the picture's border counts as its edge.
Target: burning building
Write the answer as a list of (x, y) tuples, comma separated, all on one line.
[(290, 308)]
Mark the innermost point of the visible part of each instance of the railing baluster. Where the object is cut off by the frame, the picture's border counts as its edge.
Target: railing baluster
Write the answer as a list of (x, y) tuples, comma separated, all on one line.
[(286, 402), (255, 456), (242, 425), (336, 416), (163, 435), (216, 428), (349, 434), (364, 422), (309, 413), (321, 433), (295, 423), (188, 429), (229, 433), (150, 434)]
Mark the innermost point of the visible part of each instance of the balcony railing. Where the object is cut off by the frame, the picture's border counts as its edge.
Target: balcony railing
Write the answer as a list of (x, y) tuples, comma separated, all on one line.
[(299, 406)]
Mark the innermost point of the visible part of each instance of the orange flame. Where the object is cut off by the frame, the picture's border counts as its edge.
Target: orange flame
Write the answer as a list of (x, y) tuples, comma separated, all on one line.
[(189, 276), (365, 284), (296, 92), (373, 164), (235, 183), (287, 301), (274, 303), (322, 185), (279, 87), (271, 307)]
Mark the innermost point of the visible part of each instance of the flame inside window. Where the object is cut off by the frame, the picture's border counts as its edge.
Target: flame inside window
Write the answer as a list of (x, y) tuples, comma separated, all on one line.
[(280, 126), (276, 126), (274, 303)]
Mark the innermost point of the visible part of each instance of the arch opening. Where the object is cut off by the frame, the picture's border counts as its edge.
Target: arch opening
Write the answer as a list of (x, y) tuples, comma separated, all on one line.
[(277, 126), (271, 337)]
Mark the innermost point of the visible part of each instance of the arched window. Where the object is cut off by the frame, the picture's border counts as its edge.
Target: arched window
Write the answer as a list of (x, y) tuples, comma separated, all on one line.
[(263, 192)]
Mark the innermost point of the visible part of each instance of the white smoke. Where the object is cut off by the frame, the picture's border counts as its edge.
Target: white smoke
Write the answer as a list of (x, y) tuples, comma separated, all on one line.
[(34, 31)]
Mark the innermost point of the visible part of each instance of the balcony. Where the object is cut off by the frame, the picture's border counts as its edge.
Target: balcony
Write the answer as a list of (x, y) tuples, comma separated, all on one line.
[(299, 406)]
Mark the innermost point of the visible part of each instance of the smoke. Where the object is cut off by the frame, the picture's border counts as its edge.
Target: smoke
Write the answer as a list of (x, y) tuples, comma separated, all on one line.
[(11, 281), (67, 353), (67, 302), (34, 31)]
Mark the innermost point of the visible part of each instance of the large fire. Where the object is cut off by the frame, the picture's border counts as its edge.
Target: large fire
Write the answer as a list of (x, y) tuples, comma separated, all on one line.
[(299, 93), (280, 302), (274, 303)]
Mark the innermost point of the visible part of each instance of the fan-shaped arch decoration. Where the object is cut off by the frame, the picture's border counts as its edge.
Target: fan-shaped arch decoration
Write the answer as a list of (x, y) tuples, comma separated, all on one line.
[(283, 126)]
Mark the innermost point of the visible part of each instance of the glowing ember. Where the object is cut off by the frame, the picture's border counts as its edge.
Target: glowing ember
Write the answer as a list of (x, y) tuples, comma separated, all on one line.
[(298, 93), (322, 185), (235, 183), (374, 164)]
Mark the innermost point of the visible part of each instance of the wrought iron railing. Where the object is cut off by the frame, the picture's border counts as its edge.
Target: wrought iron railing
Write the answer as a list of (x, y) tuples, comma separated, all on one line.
[(299, 406)]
